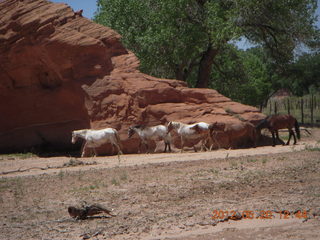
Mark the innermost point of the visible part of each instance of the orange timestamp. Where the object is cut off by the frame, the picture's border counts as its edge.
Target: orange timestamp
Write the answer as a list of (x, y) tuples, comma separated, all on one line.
[(261, 214)]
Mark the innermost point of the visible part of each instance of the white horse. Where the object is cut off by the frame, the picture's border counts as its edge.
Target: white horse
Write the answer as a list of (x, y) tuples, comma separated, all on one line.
[(96, 138), (191, 131), (156, 133)]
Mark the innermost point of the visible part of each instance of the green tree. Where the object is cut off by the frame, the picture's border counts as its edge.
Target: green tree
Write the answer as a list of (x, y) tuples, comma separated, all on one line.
[(303, 75), (245, 76), (184, 39)]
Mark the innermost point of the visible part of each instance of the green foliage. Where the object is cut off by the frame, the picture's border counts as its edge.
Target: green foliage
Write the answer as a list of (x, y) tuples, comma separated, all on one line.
[(258, 83), (304, 75), (159, 32), (172, 39), (279, 26), (244, 76)]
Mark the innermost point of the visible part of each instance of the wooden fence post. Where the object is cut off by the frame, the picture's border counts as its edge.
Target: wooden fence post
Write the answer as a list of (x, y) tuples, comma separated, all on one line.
[(270, 107), (302, 119), (311, 108)]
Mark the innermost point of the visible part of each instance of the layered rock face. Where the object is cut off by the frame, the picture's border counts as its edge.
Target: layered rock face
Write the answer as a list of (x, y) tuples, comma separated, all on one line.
[(60, 72)]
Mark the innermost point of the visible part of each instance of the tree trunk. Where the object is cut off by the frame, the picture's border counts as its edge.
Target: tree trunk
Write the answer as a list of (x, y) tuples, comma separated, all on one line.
[(179, 72), (205, 67), (183, 70), (264, 103)]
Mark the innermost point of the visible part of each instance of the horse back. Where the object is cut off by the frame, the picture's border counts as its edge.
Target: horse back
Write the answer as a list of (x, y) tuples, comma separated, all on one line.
[(158, 131), (101, 134), (203, 125), (237, 129), (281, 121)]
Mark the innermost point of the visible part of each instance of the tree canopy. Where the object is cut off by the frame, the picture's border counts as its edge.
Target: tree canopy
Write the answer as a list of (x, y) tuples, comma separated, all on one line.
[(193, 40)]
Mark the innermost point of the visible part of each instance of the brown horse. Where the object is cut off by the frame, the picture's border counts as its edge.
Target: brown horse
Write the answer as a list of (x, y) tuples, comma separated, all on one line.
[(235, 132), (280, 121)]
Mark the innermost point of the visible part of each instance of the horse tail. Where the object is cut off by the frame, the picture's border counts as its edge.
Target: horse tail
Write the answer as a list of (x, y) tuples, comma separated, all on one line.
[(296, 126)]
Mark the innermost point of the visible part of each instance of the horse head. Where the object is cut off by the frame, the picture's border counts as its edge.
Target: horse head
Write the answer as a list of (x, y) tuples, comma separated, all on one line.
[(217, 126), (213, 125), (78, 133), (264, 123)]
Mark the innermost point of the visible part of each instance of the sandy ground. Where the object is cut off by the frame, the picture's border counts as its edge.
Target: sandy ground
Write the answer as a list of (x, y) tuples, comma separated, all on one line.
[(167, 196)]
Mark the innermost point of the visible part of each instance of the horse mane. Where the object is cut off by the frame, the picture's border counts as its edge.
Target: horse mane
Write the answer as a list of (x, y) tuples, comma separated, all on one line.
[(139, 126), (176, 123), (80, 130)]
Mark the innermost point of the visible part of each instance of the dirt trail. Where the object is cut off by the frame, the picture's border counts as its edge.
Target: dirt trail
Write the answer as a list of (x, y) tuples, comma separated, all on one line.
[(166, 196), (54, 165)]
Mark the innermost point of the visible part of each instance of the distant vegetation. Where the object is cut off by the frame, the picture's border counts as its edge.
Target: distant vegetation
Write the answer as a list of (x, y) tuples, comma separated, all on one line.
[(194, 41), (305, 109)]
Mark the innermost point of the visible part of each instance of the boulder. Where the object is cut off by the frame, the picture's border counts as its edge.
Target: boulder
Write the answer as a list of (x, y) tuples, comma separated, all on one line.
[(60, 71)]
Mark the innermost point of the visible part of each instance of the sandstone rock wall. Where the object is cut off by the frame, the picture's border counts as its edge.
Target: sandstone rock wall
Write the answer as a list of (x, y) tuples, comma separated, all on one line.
[(60, 72)]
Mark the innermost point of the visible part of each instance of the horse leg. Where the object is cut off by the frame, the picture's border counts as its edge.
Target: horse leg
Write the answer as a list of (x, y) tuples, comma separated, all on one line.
[(215, 140), (294, 137), (205, 142), (290, 134), (203, 145), (90, 152), (147, 146), (182, 144), (112, 145), (95, 152), (83, 152), (273, 139), (280, 140), (140, 144), (119, 149), (194, 148), (169, 146), (210, 141), (165, 146), (83, 149)]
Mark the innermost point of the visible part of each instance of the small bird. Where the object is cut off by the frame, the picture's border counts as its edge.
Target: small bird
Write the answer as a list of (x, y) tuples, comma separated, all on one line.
[(88, 210)]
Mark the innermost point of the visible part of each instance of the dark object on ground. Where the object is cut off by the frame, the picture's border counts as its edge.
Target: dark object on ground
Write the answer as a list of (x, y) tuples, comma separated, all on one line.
[(88, 210)]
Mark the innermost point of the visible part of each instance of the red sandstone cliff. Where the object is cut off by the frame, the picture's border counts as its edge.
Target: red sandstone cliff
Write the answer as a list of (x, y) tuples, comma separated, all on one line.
[(60, 72)]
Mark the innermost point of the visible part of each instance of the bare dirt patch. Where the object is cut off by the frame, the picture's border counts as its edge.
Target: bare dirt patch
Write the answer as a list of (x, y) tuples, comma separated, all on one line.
[(166, 196)]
